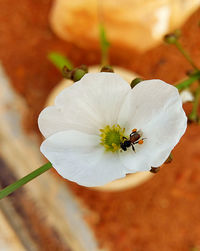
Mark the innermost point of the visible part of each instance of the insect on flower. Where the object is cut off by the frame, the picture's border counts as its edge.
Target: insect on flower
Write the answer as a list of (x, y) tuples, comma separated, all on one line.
[(134, 139)]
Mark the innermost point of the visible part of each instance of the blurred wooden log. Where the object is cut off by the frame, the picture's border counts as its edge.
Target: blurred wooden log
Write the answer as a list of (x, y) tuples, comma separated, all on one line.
[(137, 24), (8, 238), (13, 232)]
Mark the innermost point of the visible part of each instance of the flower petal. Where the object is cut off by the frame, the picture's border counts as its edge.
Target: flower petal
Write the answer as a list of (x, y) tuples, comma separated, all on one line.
[(138, 161), (186, 96), (155, 108), (88, 105), (80, 158)]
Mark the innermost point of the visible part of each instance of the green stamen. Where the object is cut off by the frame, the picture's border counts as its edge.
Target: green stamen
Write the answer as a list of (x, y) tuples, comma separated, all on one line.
[(111, 137)]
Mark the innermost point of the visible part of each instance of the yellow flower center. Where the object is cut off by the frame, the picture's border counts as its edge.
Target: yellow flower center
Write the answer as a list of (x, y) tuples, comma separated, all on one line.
[(111, 137)]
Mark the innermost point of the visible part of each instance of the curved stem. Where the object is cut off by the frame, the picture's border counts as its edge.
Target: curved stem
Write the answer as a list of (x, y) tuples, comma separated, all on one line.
[(11, 188), (193, 116), (185, 54), (104, 45), (187, 82)]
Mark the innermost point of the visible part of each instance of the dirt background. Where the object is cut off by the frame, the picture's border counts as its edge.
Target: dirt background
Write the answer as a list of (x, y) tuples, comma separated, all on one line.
[(162, 214)]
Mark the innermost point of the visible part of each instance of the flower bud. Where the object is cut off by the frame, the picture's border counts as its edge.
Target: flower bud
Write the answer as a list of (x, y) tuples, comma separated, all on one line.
[(169, 159), (155, 169), (78, 74), (107, 68), (67, 73), (172, 38), (84, 68), (135, 82)]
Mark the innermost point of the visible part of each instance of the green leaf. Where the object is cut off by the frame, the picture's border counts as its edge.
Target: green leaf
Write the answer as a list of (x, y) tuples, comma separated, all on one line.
[(59, 60)]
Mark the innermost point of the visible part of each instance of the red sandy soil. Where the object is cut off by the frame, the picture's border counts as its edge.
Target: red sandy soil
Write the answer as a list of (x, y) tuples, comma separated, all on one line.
[(162, 214)]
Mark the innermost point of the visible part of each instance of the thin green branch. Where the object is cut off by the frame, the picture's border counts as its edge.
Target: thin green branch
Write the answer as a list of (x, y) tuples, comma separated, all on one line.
[(11, 188), (187, 82), (104, 45), (193, 116), (185, 54)]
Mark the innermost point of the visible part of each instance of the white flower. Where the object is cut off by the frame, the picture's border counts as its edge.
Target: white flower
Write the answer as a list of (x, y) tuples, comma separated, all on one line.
[(186, 96), (80, 152)]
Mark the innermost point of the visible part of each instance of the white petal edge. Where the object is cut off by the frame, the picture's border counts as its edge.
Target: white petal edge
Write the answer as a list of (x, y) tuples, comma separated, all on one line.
[(88, 105), (186, 96), (80, 158), (155, 108)]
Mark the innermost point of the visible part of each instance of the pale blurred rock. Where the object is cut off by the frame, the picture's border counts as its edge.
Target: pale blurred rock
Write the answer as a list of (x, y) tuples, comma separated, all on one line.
[(138, 24)]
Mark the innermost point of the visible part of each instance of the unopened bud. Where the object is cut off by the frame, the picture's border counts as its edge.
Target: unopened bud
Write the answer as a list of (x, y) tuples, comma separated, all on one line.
[(155, 169), (107, 68), (135, 82), (67, 73), (172, 38), (84, 68), (193, 117), (169, 159), (78, 74), (75, 74)]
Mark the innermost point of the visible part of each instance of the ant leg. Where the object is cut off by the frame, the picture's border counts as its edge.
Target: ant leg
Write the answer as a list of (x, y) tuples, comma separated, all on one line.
[(133, 148), (124, 139)]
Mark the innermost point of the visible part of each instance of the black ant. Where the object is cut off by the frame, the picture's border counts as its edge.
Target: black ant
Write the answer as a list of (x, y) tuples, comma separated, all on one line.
[(133, 140)]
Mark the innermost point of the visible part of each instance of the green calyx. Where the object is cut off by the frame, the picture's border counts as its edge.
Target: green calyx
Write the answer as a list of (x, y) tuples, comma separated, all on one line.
[(172, 38), (75, 74), (111, 137)]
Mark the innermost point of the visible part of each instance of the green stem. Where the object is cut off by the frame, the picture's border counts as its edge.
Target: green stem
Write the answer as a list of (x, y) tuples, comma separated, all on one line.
[(194, 114), (187, 82), (104, 45), (185, 54), (11, 188)]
